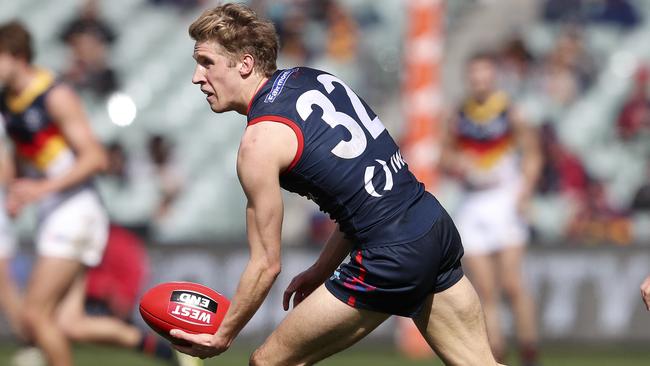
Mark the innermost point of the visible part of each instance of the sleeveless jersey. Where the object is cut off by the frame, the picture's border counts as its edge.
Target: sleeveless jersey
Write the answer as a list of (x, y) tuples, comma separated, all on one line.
[(38, 141), (346, 161), (36, 136), (484, 133)]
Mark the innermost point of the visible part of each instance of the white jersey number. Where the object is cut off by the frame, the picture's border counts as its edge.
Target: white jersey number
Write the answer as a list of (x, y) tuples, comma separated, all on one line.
[(357, 143)]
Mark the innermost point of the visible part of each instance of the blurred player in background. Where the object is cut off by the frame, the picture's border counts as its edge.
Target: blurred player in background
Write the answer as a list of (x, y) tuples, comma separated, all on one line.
[(10, 303), (58, 157), (496, 157), (309, 133)]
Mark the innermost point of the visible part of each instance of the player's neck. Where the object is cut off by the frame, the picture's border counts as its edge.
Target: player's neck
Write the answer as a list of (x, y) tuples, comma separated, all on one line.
[(250, 90), (22, 78)]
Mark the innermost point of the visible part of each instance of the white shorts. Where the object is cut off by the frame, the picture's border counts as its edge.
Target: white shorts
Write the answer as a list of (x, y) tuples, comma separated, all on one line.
[(7, 235), (488, 220), (75, 228)]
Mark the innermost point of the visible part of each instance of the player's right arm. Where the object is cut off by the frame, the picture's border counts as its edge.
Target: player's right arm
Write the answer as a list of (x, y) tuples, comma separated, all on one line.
[(335, 250), (265, 151)]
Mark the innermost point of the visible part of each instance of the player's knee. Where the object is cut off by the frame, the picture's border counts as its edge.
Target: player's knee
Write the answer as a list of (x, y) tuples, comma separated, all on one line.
[(33, 317), (512, 288), (70, 328), (260, 358), (257, 359)]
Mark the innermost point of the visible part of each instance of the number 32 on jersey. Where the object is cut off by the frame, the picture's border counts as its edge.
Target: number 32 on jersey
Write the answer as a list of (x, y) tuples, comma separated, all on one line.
[(357, 143)]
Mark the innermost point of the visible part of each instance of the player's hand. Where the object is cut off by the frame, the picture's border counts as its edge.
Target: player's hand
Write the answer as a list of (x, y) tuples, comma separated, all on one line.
[(22, 192), (302, 285), (645, 292), (203, 345)]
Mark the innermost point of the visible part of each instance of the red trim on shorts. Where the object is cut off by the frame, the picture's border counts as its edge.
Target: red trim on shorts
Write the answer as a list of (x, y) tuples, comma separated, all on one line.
[(352, 300), (296, 129), (362, 269), (250, 102)]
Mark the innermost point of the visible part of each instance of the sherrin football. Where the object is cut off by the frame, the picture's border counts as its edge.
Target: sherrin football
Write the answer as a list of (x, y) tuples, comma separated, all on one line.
[(188, 306)]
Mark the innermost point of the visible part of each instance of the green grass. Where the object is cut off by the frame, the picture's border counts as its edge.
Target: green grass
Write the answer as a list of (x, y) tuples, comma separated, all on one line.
[(364, 355)]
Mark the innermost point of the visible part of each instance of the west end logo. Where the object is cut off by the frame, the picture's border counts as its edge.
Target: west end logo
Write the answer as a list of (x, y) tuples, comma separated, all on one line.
[(192, 307)]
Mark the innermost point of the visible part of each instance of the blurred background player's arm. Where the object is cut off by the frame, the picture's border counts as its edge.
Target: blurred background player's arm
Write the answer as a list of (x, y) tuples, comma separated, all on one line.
[(645, 292), (452, 161), (335, 250), (65, 106), (7, 167), (527, 141)]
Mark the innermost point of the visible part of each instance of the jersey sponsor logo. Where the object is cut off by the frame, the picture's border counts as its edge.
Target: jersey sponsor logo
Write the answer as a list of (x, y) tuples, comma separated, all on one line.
[(192, 307), (278, 85), (370, 173), (396, 162), (34, 118)]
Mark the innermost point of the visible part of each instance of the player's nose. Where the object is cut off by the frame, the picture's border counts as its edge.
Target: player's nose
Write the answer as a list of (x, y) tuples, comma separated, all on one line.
[(198, 77)]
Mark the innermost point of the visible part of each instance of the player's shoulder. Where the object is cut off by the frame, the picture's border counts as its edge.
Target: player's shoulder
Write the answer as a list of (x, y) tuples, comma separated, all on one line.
[(279, 94), (296, 78)]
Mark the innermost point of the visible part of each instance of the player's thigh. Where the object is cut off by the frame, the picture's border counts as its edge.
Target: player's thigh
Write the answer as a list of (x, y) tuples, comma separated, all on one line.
[(71, 307), (510, 263), (483, 272), (317, 328), (452, 323), (50, 280)]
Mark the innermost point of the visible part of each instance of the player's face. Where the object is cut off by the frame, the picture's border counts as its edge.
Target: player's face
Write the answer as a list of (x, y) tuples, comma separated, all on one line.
[(217, 75), (481, 76), (7, 62)]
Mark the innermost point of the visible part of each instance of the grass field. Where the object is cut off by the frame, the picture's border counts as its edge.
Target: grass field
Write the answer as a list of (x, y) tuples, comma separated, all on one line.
[(361, 356)]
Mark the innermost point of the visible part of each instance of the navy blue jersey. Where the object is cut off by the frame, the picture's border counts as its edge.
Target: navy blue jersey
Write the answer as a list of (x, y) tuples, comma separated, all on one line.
[(346, 161)]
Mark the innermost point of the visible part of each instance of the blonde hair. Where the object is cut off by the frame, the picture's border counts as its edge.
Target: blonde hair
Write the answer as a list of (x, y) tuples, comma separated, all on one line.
[(238, 30)]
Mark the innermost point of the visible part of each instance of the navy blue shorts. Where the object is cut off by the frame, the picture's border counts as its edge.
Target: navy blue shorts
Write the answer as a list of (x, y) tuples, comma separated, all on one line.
[(396, 279)]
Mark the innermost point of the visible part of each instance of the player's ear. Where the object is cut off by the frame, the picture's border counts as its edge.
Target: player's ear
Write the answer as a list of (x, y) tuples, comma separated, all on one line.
[(247, 64)]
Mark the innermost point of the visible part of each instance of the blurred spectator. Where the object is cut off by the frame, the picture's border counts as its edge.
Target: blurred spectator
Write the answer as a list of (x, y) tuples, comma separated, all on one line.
[(89, 38), (635, 114), (515, 64), (128, 191), (621, 13), (342, 33), (596, 222), (562, 171), (167, 172), (180, 4), (291, 30), (88, 21), (566, 71), (641, 201)]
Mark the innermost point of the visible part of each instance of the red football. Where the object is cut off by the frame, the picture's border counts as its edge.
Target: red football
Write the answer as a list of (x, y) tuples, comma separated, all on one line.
[(187, 306)]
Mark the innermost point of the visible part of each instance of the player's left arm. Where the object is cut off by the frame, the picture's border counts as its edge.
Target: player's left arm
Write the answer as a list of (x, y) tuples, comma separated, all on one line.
[(527, 141), (265, 151), (65, 107)]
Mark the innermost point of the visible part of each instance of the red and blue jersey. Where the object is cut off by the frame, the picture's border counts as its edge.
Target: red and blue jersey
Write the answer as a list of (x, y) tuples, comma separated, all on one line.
[(346, 161), (35, 133)]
